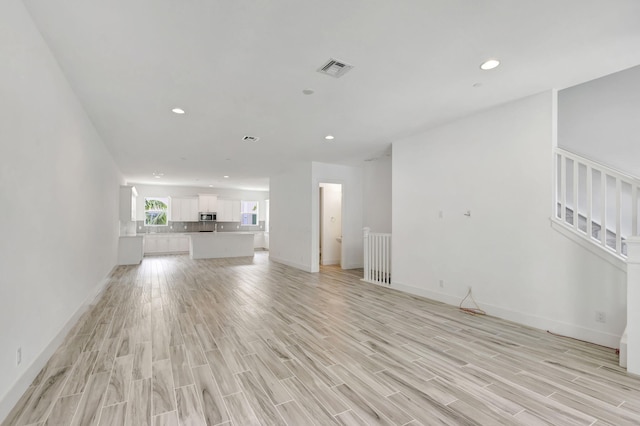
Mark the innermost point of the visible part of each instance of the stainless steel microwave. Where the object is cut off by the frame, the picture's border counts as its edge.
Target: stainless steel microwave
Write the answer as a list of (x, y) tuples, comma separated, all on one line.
[(207, 217)]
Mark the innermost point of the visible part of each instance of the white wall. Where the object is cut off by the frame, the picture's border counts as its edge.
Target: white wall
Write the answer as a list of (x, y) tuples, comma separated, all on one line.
[(290, 217), (599, 120), (295, 214), (59, 197), (331, 223), (351, 180), (190, 191), (498, 165), (377, 194)]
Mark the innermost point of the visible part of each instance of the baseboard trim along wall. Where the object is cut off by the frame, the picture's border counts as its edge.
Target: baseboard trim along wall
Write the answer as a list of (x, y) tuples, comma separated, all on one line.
[(305, 268), (557, 327), (11, 398)]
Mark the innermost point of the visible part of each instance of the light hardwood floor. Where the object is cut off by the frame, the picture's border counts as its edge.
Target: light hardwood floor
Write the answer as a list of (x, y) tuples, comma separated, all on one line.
[(247, 341)]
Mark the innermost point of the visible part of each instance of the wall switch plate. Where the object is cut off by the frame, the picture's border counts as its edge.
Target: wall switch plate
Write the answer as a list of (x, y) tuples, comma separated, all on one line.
[(441, 283), (19, 356), (601, 317)]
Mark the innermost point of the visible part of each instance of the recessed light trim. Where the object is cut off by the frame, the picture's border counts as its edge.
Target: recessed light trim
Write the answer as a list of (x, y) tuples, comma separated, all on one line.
[(329, 137), (489, 64), (225, 176), (177, 111)]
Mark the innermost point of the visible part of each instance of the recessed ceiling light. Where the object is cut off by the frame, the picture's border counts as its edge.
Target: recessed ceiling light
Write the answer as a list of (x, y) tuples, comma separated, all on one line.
[(158, 175), (329, 137), (489, 64), (178, 110), (308, 91), (210, 186), (225, 176)]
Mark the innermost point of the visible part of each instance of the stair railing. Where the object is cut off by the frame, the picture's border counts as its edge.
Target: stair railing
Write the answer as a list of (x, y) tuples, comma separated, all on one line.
[(377, 257), (596, 201)]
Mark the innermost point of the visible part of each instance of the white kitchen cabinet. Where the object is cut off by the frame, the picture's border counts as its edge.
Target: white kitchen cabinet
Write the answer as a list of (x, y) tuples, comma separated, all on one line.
[(235, 211), (184, 209), (207, 203), (228, 211), (128, 195), (224, 211), (258, 240), (166, 243), (190, 210)]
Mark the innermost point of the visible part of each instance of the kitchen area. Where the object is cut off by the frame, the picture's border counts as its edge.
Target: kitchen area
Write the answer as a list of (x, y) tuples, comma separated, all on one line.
[(160, 220)]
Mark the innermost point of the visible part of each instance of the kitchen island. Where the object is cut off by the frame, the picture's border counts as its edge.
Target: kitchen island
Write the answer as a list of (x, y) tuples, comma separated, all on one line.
[(211, 245)]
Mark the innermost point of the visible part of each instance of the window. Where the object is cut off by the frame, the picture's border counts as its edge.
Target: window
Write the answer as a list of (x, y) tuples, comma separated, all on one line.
[(155, 211), (249, 213)]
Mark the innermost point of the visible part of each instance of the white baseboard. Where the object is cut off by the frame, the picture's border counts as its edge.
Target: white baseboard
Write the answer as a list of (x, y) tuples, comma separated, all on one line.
[(557, 327), (301, 266), (11, 398), (352, 266)]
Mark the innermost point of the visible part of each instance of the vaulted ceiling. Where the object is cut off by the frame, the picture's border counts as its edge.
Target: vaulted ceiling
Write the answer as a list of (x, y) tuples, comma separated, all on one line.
[(239, 68)]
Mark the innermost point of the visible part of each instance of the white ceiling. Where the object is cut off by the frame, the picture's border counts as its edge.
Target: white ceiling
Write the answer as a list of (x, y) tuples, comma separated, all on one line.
[(239, 67)]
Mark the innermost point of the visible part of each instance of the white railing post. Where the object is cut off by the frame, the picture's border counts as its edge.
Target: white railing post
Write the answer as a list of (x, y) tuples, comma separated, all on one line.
[(367, 267), (633, 305)]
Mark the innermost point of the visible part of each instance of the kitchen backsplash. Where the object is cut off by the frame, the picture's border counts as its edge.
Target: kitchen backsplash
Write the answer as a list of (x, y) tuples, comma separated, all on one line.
[(178, 227)]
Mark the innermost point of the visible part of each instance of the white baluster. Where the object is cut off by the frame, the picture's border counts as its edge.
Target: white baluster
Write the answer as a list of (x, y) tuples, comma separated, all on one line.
[(576, 212), (563, 188), (367, 271), (589, 201), (603, 209), (634, 210), (618, 217)]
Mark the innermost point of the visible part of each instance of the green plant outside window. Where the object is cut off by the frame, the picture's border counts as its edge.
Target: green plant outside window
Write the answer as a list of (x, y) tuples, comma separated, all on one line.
[(155, 211)]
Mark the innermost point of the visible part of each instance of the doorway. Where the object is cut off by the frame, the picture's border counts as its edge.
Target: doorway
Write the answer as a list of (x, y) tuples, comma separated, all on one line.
[(330, 224)]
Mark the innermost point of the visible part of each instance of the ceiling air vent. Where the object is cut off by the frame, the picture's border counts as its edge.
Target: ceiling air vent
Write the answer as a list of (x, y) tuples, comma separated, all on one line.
[(250, 138), (334, 68)]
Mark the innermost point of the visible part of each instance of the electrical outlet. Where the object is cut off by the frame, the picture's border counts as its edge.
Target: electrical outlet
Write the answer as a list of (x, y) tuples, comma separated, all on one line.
[(601, 317), (440, 214), (441, 283), (19, 356)]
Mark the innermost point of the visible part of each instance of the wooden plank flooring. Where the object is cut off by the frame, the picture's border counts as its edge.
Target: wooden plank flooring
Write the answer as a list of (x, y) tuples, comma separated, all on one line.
[(250, 342)]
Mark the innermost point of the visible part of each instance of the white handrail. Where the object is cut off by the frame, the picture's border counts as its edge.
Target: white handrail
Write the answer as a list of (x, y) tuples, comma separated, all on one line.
[(377, 257), (575, 187)]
